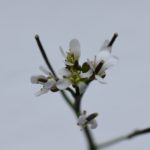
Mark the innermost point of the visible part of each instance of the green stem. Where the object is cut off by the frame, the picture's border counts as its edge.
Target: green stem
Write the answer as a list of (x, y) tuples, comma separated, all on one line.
[(123, 138), (90, 139), (66, 98), (87, 132)]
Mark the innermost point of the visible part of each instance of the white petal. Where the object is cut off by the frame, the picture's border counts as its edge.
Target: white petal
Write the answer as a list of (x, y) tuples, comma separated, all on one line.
[(103, 55), (105, 46), (82, 87), (86, 74), (50, 83), (93, 124), (74, 47), (90, 63), (41, 92), (64, 72), (82, 120), (62, 84), (62, 52), (110, 62), (34, 79), (68, 63), (99, 79), (43, 69)]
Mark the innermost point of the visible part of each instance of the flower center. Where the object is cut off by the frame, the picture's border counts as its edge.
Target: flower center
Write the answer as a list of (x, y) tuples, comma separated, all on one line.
[(74, 77), (70, 58)]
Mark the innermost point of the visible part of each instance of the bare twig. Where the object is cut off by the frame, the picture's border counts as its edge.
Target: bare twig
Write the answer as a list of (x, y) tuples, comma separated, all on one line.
[(123, 138)]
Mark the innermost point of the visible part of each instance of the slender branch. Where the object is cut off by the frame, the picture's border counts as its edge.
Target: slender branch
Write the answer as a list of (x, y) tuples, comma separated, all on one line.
[(71, 91), (90, 139), (65, 96), (77, 101), (138, 132), (37, 38), (124, 137)]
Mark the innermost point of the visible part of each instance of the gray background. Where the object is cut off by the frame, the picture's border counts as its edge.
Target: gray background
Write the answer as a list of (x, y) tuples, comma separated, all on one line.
[(44, 123)]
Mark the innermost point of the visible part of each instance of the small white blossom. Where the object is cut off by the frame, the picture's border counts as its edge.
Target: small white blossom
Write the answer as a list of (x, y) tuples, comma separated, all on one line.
[(85, 120), (47, 82), (104, 60), (46, 87), (37, 79), (62, 84), (73, 54)]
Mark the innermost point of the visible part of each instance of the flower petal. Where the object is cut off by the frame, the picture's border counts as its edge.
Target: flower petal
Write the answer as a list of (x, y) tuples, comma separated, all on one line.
[(50, 83), (34, 79), (103, 55), (82, 120), (64, 72), (110, 62), (82, 87), (105, 46), (93, 124), (86, 74), (41, 92), (100, 80), (62, 52), (62, 84), (45, 70), (74, 47), (68, 63), (91, 64)]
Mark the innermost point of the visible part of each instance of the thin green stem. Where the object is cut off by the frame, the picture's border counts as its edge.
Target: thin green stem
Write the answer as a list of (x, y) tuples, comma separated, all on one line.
[(66, 98), (123, 138), (90, 139), (87, 132)]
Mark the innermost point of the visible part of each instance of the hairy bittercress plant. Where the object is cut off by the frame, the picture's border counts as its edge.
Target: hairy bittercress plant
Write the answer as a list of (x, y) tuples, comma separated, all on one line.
[(75, 78)]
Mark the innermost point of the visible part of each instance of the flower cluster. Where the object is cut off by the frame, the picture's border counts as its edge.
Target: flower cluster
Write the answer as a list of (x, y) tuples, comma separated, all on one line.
[(74, 74), (75, 77)]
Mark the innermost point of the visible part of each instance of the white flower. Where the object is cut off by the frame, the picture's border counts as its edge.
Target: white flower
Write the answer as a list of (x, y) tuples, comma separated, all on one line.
[(73, 54), (103, 61), (85, 120), (39, 79), (46, 87), (70, 78), (47, 82)]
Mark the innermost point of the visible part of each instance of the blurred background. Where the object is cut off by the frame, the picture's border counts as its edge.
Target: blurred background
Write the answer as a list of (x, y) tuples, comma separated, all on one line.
[(46, 122)]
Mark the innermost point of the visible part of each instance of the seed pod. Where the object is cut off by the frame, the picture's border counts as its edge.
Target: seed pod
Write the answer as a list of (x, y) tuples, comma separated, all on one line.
[(91, 116)]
